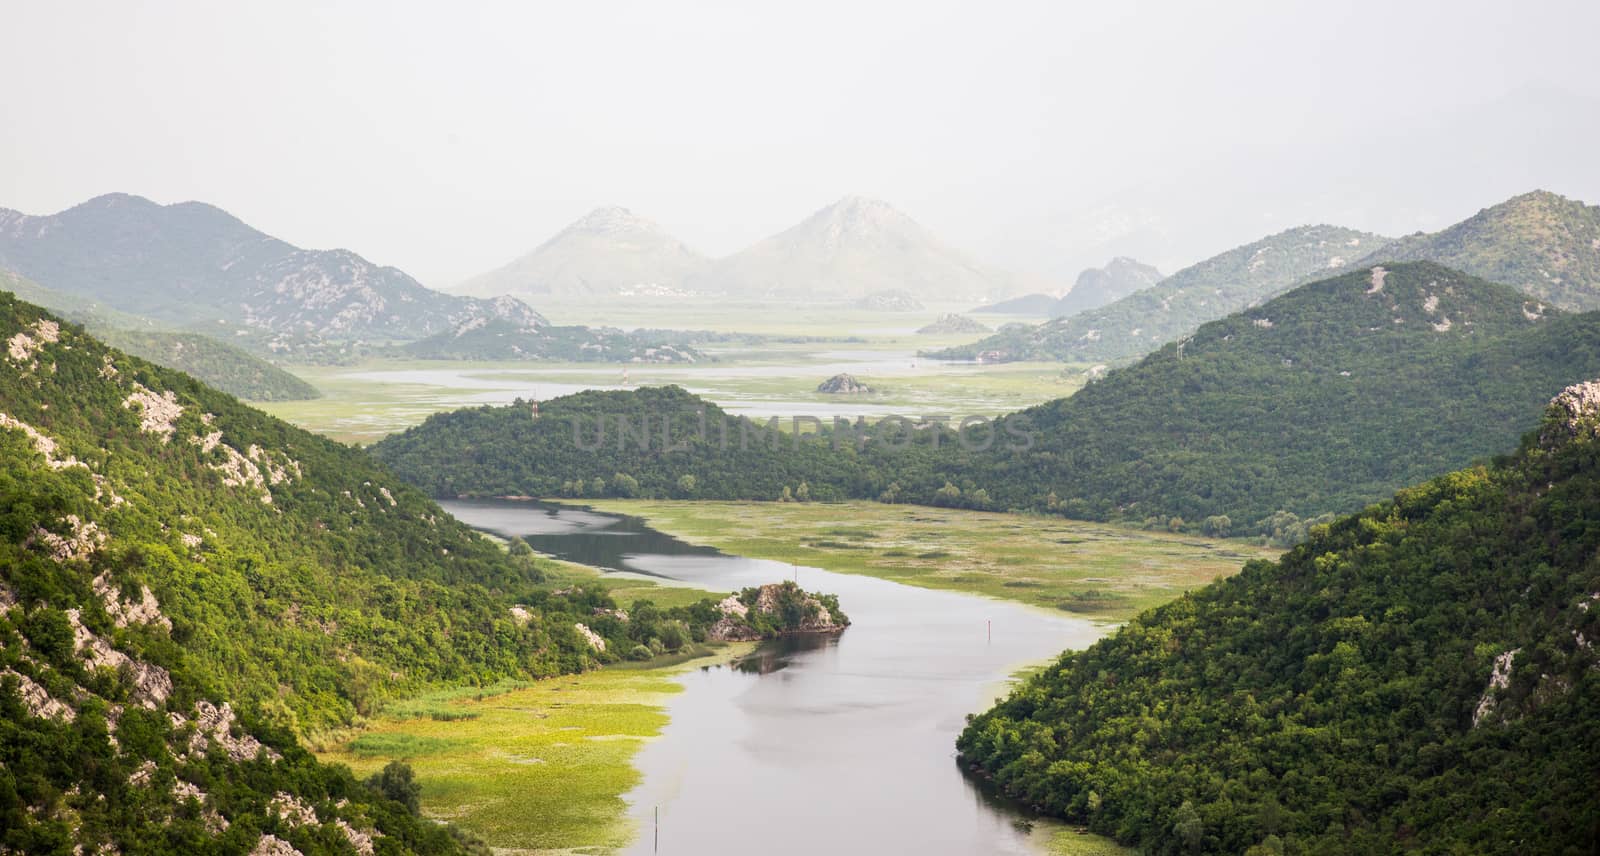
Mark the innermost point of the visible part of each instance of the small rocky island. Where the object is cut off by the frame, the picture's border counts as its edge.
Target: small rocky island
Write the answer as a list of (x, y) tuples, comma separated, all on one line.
[(774, 610), (949, 324), (843, 384)]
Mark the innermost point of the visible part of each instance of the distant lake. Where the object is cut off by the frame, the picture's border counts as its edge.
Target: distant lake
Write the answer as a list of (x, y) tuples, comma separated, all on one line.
[(817, 746)]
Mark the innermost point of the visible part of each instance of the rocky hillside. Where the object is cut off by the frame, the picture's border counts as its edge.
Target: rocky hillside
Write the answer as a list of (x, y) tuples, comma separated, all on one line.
[(1543, 244), (186, 584), (1421, 676), (1143, 321), (849, 249), (610, 251), (264, 543), (194, 265)]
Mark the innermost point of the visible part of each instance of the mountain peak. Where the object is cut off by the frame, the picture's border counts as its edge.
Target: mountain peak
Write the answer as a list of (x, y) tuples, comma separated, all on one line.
[(611, 219), (112, 200), (853, 247), (864, 212), (610, 250)]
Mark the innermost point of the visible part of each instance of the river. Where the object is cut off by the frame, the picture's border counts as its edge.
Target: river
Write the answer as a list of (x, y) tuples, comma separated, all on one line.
[(838, 745)]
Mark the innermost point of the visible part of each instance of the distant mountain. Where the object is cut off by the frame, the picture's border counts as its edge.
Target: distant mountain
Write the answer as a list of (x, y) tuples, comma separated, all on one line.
[(608, 251), (850, 249), (949, 324), (1095, 287), (1544, 244), (890, 300), (1419, 677), (1040, 305), (194, 265), (220, 364), (504, 340), (1174, 307)]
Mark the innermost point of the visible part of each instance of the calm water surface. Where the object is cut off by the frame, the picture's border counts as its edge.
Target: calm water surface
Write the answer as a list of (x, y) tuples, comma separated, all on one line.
[(839, 745)]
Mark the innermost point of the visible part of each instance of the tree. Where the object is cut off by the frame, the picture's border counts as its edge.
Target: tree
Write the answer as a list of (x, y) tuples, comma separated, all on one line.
[(686, 485), (396, 782), (802, 493), (1187, 827), (624, 485), (1218, 526), (947, 495)]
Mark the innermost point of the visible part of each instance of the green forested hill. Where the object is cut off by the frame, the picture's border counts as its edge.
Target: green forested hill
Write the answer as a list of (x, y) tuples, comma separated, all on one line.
[(1322, 400), (1546, 245), (188, 585), (166, 551), (1418, 677), (226, 367), (1143, 321)]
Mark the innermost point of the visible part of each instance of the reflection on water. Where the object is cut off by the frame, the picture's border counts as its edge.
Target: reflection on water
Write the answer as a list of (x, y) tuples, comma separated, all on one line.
[(814, 744), (779, 653), (606, 541)]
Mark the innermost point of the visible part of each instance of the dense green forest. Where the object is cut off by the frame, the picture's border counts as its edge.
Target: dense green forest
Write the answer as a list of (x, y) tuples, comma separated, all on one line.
[(1322, 400), (1137, 324), (1419, 676), (166, 550)]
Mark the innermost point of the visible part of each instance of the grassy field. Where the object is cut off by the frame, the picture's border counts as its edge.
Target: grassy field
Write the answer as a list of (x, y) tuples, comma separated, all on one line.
[(1095, 570), (540, 767), (1065, 841)]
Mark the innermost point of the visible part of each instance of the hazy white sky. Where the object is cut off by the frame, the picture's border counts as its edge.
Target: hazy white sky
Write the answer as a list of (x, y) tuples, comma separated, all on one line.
[(447, 138)]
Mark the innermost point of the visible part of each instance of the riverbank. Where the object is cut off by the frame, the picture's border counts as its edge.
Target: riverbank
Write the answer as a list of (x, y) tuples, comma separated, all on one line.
[(1092, 570)]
